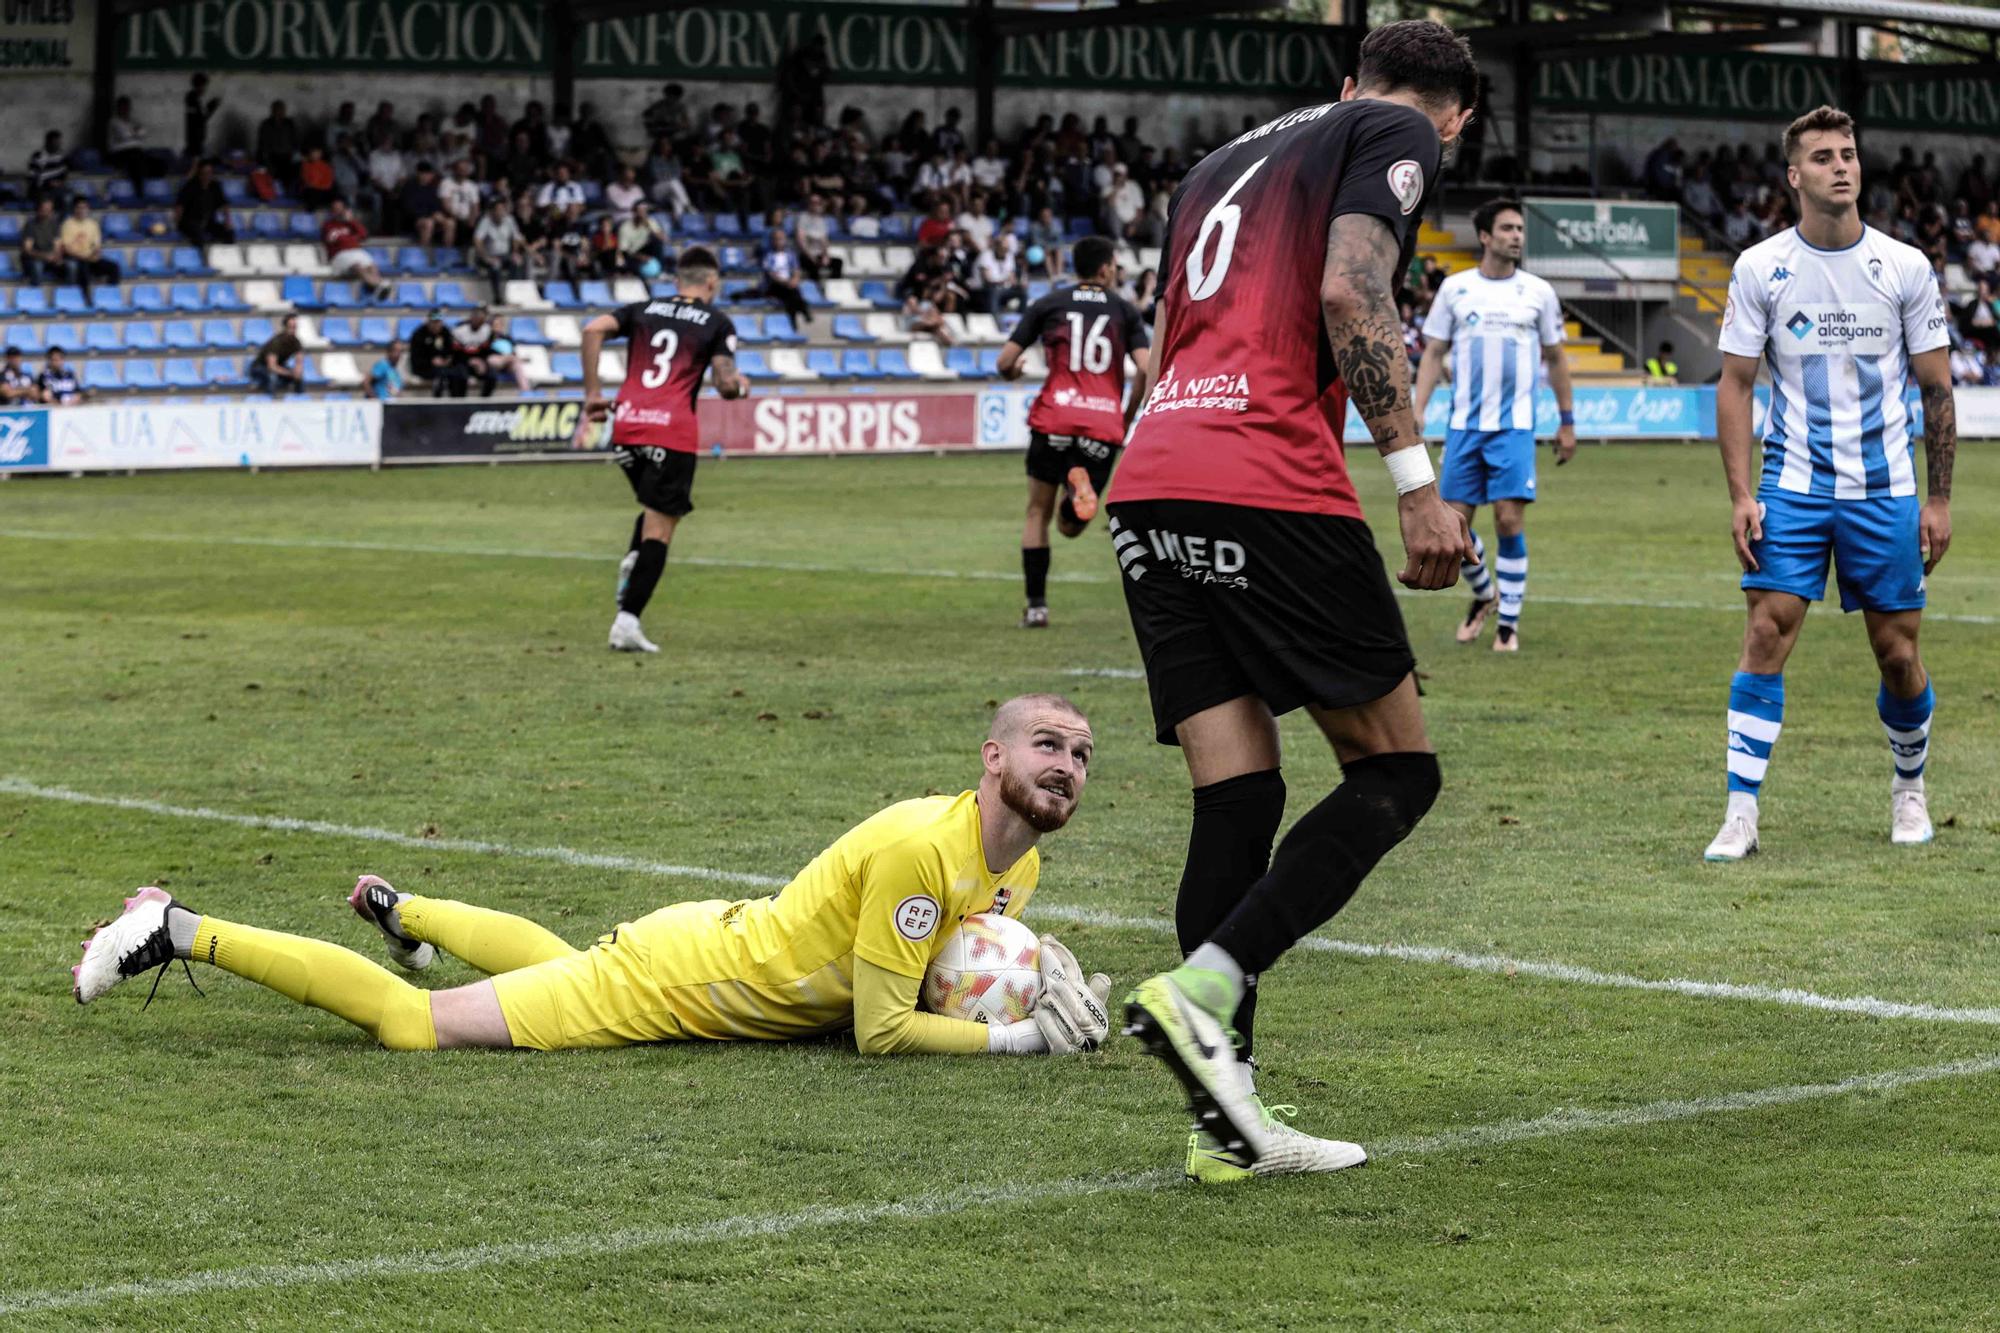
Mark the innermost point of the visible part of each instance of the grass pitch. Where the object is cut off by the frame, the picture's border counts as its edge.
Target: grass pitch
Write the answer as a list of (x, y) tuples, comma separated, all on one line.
[(420, 653)]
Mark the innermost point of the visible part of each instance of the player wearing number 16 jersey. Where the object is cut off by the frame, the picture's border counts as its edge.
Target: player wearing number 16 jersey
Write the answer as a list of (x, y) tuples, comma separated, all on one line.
[(1079, 418), (1253, 584), (653, 427)]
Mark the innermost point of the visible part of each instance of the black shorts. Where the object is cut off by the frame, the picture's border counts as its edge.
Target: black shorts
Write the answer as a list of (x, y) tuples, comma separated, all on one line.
[(1050, 457), (1227, 600), (661, 478)]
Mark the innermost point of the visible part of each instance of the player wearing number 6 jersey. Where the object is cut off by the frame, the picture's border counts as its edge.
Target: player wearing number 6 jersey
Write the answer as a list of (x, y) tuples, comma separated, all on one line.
[(1253, 584), (671, 343), (1079, 418)]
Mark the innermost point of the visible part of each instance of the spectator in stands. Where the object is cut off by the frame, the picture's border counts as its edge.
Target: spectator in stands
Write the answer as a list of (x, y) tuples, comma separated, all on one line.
[(494, 138), (275, 367), (387, 170), (17, 383), (503, 357), (1740, 227), (278, 143), (1968, 364), (385, 378), (1123, 206), (434, 358), (196, 108), (521, 168), (1146, 294), (459, 196), (782, 277), (1698, 196), (623, 193), (728, 183), (1045, 234), (931, 186), (498, 248), (350, 174), (381, 125), (316, 181), (58, 382), (1000, 276), (561, 191), (41, 245), (663, 179), (668, 118), (935, 229), (342, 125), (558, 133), (425, 142), (201, 212), (1932, 231), (606, 260), (48, 171), (1662, 170), (976, 222), (989, 169), (1962, 231), (342, 234), (472, 342), (755, 136), (642, 242), (813, 234), (423, 209), (1975, 187), (923, 311), (590, 143), (125, 144), (1661, 364), (82, 243), (1982, 257)]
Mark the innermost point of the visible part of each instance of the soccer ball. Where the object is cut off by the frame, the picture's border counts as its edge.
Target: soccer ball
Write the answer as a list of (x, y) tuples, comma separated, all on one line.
[(988, 972)]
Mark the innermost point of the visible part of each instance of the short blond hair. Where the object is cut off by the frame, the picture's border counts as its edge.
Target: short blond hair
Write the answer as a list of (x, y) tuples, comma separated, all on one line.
[(1829, 118)]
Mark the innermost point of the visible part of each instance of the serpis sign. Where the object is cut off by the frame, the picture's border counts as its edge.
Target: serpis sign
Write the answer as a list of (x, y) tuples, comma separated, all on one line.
[(24, 439)]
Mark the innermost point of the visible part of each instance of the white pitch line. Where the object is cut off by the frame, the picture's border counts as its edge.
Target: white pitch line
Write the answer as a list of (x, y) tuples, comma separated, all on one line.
[(1867, 1005), (808, 567), (752, 1227)]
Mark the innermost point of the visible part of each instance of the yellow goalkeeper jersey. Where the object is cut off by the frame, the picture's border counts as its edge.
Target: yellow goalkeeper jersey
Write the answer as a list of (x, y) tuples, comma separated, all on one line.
[(890, 891)]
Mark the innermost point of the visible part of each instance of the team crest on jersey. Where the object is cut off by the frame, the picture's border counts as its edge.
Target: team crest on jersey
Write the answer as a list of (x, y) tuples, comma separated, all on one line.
[(1874, 268), (1728, 311), (1001, 897), (1406, 182), (916, 916)]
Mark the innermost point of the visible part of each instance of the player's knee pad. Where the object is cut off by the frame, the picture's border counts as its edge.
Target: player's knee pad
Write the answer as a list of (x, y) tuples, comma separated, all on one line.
[(1398, 789)]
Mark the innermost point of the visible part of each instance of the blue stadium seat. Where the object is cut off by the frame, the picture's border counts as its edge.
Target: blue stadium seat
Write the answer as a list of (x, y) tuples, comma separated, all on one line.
[(694, 227), (597, 295), (814, 296), (749, 328), (109, 301), (338, 295), (147, 296), (736, 259), (265, 225), (183, 373), (32, 301), (989, 362), (780, 329), (752, 363), (180, 334), (878, 294), (222, 370), (10, 268), (1019, 225), (159, 190), (143, 375), (897, 227), (304, 227), (104, 336), (103, 375), (69, 301), (301, 293), (962, 360), (405, 326), (593, 192), (186, 297), (859, 363), (62, 335), (664, 291), (412, 296), (120, 191), (235, 189), (568, 366), (825, 363), (189, 263), (376, 331), (339, 330), (563, 296), (849, 327), (220, 333), (116, 227), (142, 336), (415, 261), (6, 300), (314, 375), (222, 296), (24, 336), (894, 364), (256, 331), (527, 330), (155, 224), (1038, 288), (10, 228), (732, 226), (450, 294)]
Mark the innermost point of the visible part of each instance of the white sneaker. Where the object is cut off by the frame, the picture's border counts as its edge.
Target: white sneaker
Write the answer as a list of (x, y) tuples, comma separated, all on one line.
[(1909, 819), (1737, 839), (137, 942), (627, 637), (624, 576), (1287, 1152)]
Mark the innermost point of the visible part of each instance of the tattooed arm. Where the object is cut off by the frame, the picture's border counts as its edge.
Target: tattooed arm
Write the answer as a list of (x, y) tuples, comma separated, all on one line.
[(1933, 375), (1358, 304)]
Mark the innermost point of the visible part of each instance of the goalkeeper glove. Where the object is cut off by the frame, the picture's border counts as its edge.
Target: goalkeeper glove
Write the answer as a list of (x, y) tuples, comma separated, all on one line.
[(1070, 1014)]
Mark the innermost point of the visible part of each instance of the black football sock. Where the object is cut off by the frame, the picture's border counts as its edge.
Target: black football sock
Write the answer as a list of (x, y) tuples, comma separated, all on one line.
[(1035, 572), (638, 532), (1229, 849), (646, 571), (1327, 854)]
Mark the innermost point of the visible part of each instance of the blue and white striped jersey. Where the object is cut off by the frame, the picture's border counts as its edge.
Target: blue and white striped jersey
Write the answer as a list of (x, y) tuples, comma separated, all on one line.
[(1837, 329), (1497, 328)]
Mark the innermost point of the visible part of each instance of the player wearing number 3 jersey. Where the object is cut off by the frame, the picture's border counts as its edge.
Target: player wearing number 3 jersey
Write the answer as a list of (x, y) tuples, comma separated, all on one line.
[(1253, 584), (1079, 418), (671, 343)]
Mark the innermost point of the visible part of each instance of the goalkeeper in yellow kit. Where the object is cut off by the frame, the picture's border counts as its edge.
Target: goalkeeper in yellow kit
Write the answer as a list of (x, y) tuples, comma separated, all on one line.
[(844, 944)]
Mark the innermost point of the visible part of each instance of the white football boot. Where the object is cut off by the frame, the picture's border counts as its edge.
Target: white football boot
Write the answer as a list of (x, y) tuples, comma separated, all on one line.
[(1909, 819), (624, 576), (1738, 837), (627, 637), (137, 942), (375, 901)]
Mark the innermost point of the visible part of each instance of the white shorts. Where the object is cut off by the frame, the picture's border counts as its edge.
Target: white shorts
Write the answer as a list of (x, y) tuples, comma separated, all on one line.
[(347, 261)]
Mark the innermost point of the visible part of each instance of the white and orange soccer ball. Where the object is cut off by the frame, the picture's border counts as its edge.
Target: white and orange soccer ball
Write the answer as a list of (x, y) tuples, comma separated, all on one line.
[(989, 971)]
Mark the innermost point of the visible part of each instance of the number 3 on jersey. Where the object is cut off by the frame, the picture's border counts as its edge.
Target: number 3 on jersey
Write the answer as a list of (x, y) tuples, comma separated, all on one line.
[(1203, 280), (665, 343)]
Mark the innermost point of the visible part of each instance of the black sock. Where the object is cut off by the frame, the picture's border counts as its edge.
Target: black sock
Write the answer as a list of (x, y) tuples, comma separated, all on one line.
[(1035, 572), (1327, 854), (646, 571), (638, 532), (1229, 848)]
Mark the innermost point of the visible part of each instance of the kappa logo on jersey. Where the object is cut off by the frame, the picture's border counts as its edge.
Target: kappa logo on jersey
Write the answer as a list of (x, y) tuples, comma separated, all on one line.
[(1780, 273), (917, 916), (1406, 182)]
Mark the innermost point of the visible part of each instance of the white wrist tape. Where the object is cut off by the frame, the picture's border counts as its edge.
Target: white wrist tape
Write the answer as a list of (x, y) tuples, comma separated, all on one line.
[(1018, 1038), (1410, 468)]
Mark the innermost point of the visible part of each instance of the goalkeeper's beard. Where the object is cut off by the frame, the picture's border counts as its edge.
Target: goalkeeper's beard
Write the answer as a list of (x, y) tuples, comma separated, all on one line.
[(1044, 811)]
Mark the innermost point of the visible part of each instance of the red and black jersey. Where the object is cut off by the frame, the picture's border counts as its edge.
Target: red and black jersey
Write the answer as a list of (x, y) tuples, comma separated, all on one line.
[(671, 344), (1247, 405), (1086, 333)]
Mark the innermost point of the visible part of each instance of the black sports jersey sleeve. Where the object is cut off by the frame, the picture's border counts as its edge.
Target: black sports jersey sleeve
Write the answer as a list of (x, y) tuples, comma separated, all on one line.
[(1029, 331), (628, 317), (1391, 170), (724, 341)]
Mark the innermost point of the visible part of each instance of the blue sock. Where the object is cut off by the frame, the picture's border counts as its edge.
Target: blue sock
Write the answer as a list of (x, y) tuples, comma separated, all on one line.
[(1512, 569), (1474, 572), (1756, 711), (1908, 722)]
